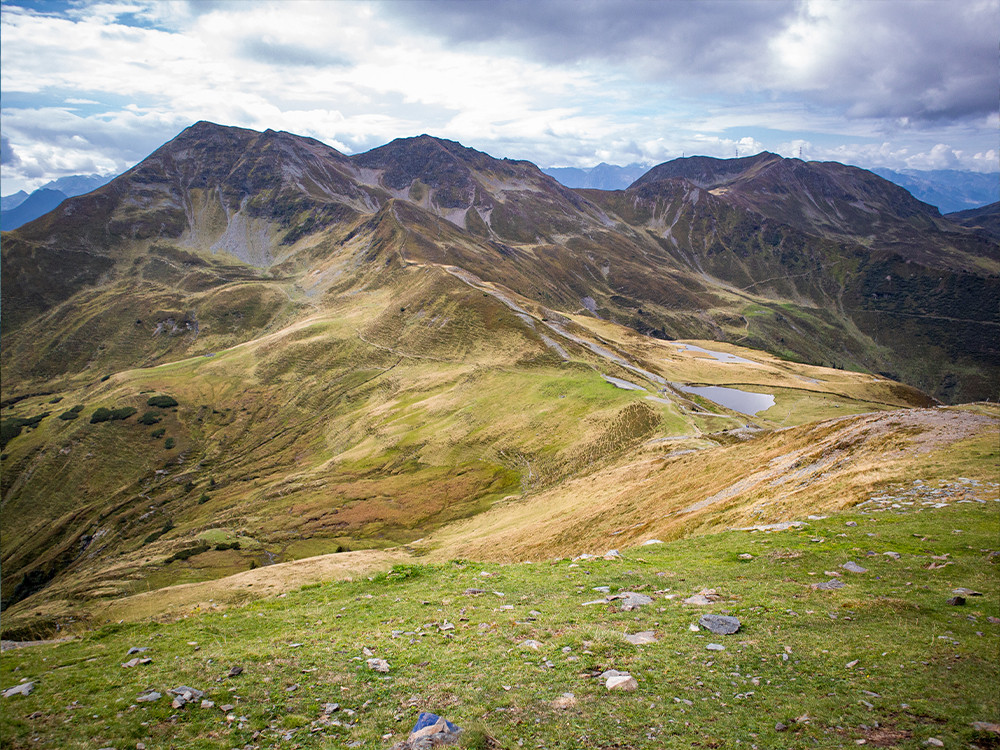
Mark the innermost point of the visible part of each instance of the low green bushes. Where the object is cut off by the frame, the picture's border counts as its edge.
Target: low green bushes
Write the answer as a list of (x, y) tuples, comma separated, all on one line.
[(163, 402)]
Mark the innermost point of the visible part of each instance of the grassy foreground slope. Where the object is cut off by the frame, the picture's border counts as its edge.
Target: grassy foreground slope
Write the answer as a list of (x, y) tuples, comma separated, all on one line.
[(884, 659)]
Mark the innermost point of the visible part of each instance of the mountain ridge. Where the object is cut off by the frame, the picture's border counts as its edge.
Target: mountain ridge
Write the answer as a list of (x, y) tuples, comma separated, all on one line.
[(263, 198)]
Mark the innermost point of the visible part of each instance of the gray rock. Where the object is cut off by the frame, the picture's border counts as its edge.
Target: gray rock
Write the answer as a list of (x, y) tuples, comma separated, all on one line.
[(149, 696), (719, 624), (641, 639), (184, 690), (609, 673), (25, 688), (622, 683), (715, 647), (830, 585), (632, 601), (378, 665), (703, 597), (530, 643), (962, 591), (851, 523), (853, 567), (184, 694), (956, 601), (893, 555), (137, 650), (235, 672), (779, 727)]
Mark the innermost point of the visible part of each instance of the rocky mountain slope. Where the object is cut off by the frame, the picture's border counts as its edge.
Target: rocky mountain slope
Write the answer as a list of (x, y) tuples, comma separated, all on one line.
[(985, 219)]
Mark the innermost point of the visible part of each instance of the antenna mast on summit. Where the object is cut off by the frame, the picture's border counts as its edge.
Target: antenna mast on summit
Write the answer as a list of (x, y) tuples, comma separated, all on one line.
[(800, 152)]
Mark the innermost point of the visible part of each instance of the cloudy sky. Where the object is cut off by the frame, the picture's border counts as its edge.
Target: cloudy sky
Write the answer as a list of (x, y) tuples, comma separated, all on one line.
[(95, 86)]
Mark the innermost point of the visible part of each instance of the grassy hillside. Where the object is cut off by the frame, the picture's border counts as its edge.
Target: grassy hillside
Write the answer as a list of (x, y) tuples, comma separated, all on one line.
[(367, 424), (884, 659)]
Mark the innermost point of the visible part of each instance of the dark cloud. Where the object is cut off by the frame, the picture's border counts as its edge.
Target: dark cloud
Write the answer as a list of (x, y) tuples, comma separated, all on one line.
[(916, 59), (7, 155), (704, 36)]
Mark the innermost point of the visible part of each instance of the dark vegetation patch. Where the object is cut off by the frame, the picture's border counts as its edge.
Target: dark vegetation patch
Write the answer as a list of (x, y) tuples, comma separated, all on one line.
[(11, 427), (163, 402)]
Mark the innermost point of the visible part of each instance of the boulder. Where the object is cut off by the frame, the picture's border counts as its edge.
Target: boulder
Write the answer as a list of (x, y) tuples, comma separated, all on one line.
[(430, 731), (720, 624), (631, 601), (25, 688), (623, 683)]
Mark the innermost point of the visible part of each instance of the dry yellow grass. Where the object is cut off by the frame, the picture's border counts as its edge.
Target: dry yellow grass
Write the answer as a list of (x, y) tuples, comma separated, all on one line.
[(272, 580), (779, 476)]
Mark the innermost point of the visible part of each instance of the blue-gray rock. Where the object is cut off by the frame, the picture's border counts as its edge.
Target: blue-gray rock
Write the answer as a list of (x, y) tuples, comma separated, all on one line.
[(719, 624), (430, 731)]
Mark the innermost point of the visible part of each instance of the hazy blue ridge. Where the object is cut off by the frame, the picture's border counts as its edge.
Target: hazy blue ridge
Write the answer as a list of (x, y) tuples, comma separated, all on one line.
[(601, 177), (20, 208), (78, 184), (13, 200), (949, 189), (37, 204)]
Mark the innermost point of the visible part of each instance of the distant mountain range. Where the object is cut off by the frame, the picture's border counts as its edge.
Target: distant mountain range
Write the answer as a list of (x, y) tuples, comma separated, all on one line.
[(19, 208), (602, 177), (949, 190)]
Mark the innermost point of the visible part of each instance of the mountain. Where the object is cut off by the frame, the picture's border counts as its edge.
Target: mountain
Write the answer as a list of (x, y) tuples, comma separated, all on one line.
[(13, 200), (37, 204), (250, 338), (602, 177), (985, 219), (77, 184), (20, 208), (950, 190)]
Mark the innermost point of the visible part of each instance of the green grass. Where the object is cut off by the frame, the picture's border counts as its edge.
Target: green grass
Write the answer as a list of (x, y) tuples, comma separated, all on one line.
[(923, 668)]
